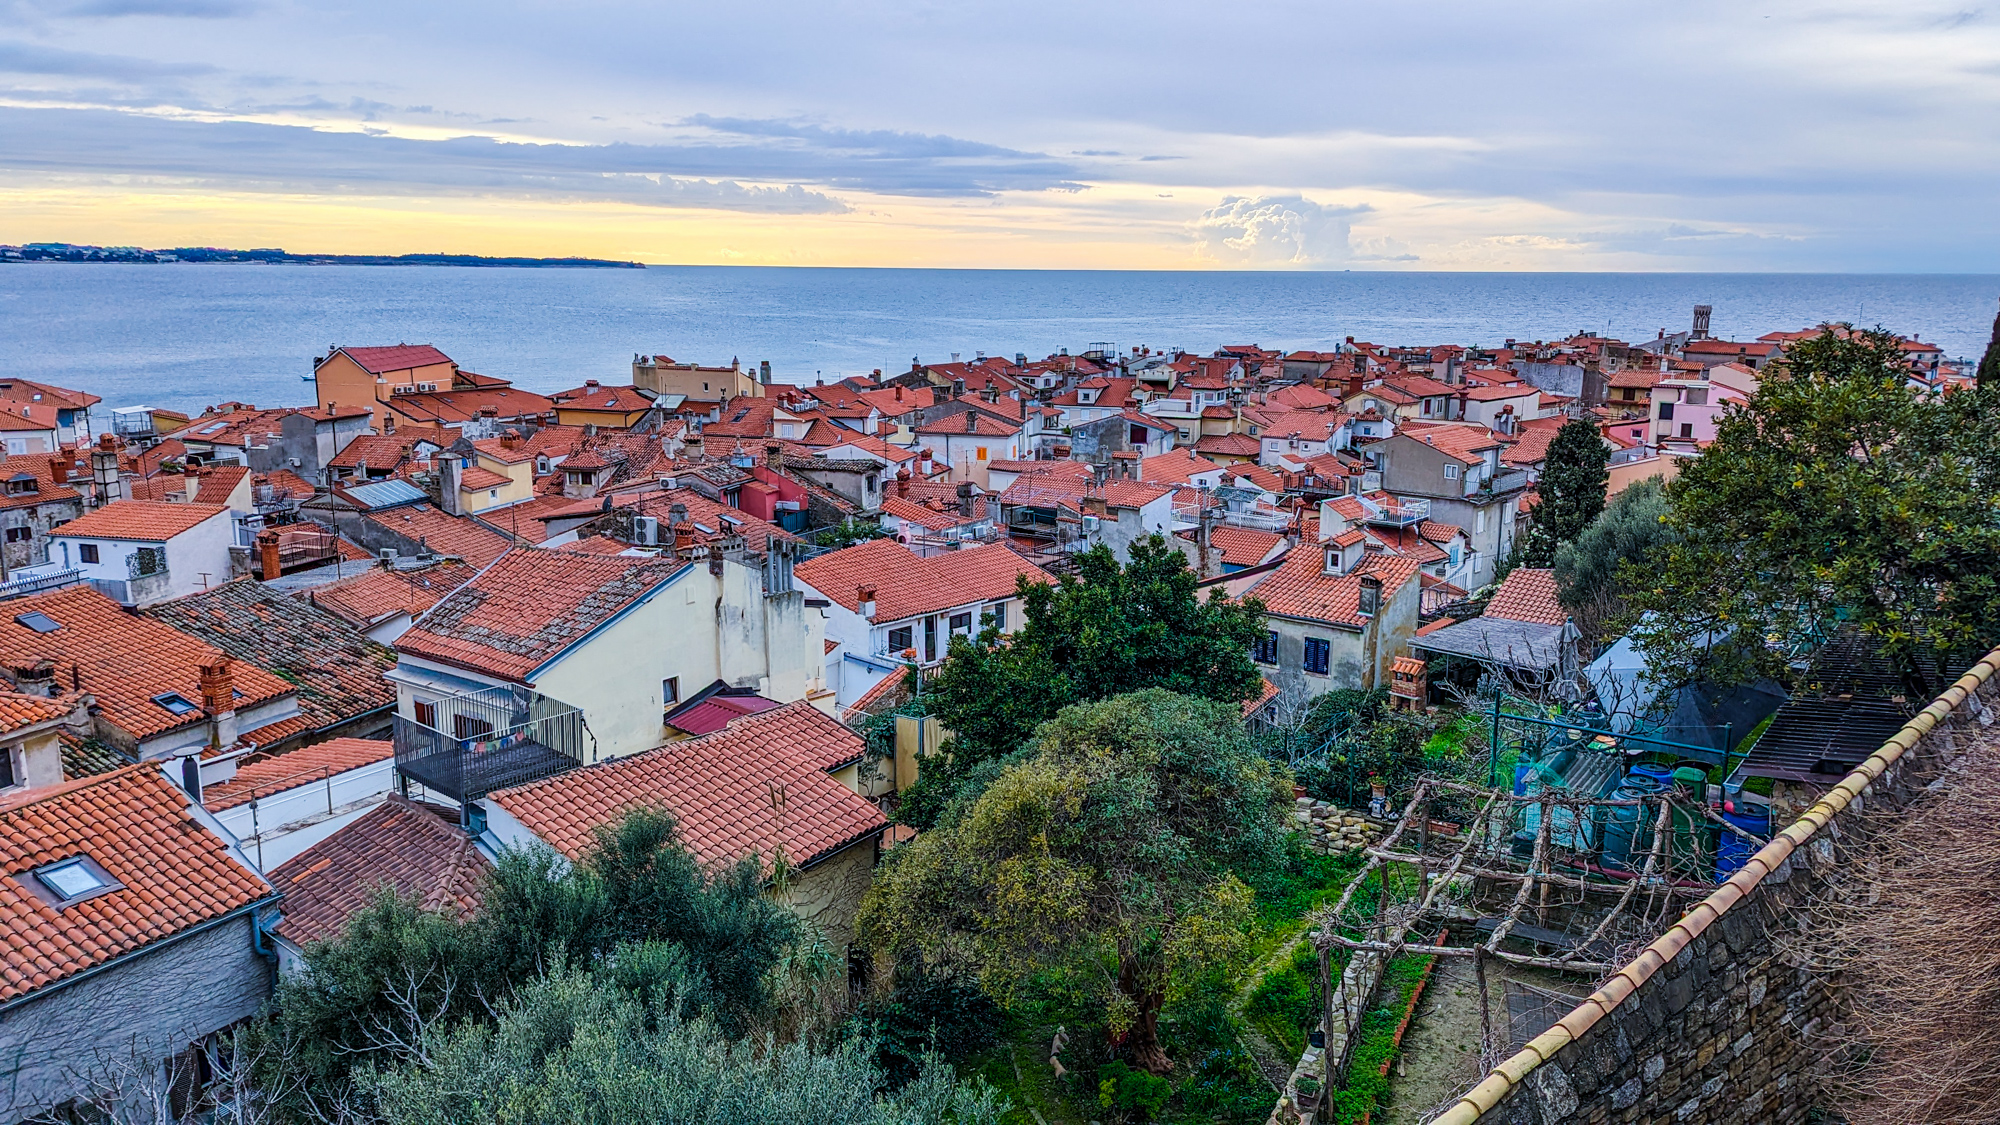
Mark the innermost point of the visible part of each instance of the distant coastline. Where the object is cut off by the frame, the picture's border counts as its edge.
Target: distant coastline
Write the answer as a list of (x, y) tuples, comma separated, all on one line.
[(67, 252)]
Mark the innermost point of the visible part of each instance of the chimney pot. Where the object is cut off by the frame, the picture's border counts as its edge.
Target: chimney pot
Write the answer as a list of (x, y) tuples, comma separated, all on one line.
[(864, 594), (217, 692)]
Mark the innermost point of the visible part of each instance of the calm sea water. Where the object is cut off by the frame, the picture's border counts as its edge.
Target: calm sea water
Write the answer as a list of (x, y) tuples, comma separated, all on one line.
[(184, 336)]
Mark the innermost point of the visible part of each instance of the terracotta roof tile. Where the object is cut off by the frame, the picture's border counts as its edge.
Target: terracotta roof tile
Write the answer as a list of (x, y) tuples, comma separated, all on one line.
[(381, 453), (261, 775), (478, 476), (18, 710), (137, 826), (455, 536), (124, 659), (933, 518), (400, 357), (217, 484), (528, 607), (148, 521), (1178, 466), (906, 585), (1300, 588), (416, 850), (1528, 594), (338, 671), (1229, 445), (1243, 546), (379, 592), (718, 788)]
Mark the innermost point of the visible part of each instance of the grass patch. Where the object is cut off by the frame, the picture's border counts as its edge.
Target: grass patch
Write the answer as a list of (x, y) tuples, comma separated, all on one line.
[(1375, 1043), (1281, 1007)]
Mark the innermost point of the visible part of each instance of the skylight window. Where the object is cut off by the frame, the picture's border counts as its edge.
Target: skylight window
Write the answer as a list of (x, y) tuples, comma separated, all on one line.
[(74, 879), (39, 622), (216, 428), (178, 704)]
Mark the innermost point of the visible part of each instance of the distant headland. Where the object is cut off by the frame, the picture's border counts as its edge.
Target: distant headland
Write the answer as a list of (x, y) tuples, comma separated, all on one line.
[(66, 252)]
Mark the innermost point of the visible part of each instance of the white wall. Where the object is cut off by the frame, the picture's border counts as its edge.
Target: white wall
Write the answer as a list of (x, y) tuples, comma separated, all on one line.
[(202, 548), (275, 827)]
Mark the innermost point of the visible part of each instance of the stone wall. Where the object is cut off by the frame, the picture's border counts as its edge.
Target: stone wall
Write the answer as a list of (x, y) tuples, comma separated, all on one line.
[(133, 1015), (1715, 1021)]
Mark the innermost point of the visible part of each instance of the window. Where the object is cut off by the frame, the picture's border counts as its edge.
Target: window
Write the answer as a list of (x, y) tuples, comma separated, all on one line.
[(1319, 655), (670, 690), (998, 612), (1453, 552), (426, 713), (930, 638), (900, 639), (1265, 651), (87, 552), (961, 621), (1687, 429), (39, 622), (1666, 411), (20, 534), (8, 778), (1450, 472), (74, 879), (982, 453), (175, 703)]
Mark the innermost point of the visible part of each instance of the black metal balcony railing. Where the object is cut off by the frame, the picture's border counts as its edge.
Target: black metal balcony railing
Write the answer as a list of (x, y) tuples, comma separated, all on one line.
[(498, 739)]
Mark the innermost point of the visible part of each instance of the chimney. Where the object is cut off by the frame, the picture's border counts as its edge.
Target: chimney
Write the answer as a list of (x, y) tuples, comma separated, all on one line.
[(683, 535), (971, 422), (677, 515), (957, 388), (990, 393), (1371, 595), (217, 691), (865, 595), (764, 372), (773, 454), (965, 499), (903, 482), (38, 678), (899, 392), (590, 383), (59, 470), (269, 559), (939, 395)]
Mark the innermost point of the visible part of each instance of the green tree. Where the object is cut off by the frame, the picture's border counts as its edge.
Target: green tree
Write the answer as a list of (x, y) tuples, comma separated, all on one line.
[(639, 906), (847, 533), (1589, 570), (1838, 494), (1103, 631), (1989, 364), (1104, 861), (1572, 490)]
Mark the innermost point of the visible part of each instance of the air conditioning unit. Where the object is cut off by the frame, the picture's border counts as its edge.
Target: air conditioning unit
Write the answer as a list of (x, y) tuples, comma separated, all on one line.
[(646, 531), (387, 554), (1091, 524)]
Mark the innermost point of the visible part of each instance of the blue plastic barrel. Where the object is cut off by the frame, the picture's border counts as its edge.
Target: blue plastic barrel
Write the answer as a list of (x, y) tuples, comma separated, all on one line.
[(1664, 775), (1521, 772), (1733, 851), (1621, 823)]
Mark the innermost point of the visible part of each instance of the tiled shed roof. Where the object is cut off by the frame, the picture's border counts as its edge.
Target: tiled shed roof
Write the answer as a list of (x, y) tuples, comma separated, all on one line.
[(528, 607), (337, 670), (414, 849), (718, 788), (146, 521), (379, 592), (264, 775), (444, 534), (174, 873), (124, 659), (906, 585), (1528, 594)]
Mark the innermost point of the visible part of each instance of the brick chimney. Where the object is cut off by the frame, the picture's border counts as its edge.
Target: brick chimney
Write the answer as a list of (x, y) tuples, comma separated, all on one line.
[(865, 595), (59, 470), (510, 440), (217, 689), (903, 482), (269, 560)]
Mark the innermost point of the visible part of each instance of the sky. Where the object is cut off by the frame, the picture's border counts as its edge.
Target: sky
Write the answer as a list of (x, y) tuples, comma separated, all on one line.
[(1752, 135)]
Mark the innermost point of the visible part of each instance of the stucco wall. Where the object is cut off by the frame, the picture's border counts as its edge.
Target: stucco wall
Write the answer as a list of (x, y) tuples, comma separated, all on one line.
[(147, 1008), (828, 894)]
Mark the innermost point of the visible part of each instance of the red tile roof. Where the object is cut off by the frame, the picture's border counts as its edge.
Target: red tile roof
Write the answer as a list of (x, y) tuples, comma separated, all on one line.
[(986, 426), (528, 607), (218, 483), (381, 453), (444, 534), (1528, 594), (416, 850), (18, 710), (262, 775), (146, 521), (718, 788), (1460, 442), (401, 357), (1243, 546), (478, 477), (1176, 467), (617, 399), (1229, 445), (378, 592), (907, 586), (136, 825), (447, 407), (24, 390), (124, 659), (1299, 587), (932, 518)]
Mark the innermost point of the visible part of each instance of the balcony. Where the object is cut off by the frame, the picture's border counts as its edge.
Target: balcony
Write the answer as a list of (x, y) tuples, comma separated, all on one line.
[(499, 738), (38, 579), (1500, 484), (1401, 512)]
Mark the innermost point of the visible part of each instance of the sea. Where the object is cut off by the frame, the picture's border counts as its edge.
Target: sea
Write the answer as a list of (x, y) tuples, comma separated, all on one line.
[(186, 336)]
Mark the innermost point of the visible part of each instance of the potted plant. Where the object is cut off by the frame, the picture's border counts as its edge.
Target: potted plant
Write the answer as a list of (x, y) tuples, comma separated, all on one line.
[(1308, 1091), (1378, 796)]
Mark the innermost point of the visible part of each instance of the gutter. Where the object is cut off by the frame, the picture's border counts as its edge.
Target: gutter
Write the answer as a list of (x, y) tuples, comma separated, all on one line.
[(1482, 1098)]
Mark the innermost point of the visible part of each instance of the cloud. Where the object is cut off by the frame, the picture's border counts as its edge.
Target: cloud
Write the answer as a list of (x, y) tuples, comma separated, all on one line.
[(181, 9), (1280, 230), (900, 162), (247, 156), (28, 58)]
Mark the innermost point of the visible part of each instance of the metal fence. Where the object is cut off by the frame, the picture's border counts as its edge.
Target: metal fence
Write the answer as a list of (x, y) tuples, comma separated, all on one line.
[(491, 740)]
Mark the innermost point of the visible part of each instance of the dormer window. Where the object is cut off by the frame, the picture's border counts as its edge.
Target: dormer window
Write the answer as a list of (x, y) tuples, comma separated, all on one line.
[(176, 703), (21, 484), (72, 880)]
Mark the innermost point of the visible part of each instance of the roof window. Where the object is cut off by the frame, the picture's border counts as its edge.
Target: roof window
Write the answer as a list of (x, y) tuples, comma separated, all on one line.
[(176, 703), (74, 879), (39, 622)]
